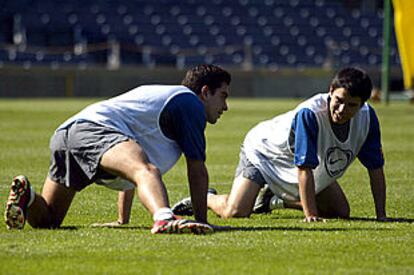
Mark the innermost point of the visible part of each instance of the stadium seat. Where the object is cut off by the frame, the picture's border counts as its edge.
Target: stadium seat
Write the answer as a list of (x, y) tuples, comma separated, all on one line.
[(279, 32)]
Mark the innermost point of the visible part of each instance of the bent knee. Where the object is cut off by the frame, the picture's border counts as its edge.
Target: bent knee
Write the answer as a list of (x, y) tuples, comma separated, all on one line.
[(342, 213), (46, 222), (345, 213), (147, 171), (46, 225), (235, 212)]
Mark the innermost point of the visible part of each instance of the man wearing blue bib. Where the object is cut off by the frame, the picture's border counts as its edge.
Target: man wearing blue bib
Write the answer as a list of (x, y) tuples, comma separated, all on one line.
[(130, 141), (298, 156)]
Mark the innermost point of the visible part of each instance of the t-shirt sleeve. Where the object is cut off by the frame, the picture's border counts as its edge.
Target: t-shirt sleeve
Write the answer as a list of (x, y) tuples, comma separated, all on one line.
[(306, 129), (184, 120), (370, 154)]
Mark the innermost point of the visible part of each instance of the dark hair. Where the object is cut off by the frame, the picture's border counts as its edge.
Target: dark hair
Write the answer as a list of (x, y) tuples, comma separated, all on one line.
[(205, 74), (355, 81)]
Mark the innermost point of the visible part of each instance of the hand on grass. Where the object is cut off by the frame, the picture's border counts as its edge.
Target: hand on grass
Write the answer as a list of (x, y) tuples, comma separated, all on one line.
[(313, 219), (114, 224)]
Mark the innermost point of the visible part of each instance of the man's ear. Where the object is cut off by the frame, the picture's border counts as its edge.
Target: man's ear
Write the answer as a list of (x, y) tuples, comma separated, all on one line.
[(204, 92)]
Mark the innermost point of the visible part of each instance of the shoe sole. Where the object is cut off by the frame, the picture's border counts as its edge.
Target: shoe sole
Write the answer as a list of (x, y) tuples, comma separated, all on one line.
[(14, 217), (14, 214), (183, 227)]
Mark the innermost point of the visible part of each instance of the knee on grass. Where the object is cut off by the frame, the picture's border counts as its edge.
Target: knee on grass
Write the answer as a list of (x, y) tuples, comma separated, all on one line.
[(45, 223), (343, 213)]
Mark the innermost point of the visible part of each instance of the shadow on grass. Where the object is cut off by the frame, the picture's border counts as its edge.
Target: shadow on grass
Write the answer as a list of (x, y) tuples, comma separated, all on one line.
[(358, 219), (389, 220), (73, 228), (265, 228), (67, 227), (125, 227), (303, 229)]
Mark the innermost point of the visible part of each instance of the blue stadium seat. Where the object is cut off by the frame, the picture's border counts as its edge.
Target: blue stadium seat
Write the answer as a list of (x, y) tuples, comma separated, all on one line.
[(280, 32)]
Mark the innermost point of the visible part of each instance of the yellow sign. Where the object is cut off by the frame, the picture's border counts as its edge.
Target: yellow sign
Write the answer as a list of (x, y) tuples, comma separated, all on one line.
[(404, 23)]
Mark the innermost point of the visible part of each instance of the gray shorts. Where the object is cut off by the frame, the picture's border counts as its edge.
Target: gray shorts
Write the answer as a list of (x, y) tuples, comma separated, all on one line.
[(77, 151), (248, 171)]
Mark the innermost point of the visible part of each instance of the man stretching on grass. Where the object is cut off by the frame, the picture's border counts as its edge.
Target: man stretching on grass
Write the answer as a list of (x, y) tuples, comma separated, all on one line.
[(130, 140), (300, 155)]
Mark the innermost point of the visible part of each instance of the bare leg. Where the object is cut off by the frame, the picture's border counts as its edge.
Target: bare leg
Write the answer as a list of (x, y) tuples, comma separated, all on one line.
[(128, 160), (240, 201), (49, 209), (293, 205), (332, 202)]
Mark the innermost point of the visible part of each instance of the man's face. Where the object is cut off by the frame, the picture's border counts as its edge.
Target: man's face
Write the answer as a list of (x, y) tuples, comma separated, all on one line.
[(342, 106), (215, 104)]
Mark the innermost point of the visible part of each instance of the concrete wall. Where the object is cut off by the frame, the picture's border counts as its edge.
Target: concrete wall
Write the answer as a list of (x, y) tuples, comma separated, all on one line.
[(99, 82)]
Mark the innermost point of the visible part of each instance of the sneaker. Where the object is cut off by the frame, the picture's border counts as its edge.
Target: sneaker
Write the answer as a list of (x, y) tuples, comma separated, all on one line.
[(266, 201), (262, 203), (185, 208), (17, 203), (180, 226)]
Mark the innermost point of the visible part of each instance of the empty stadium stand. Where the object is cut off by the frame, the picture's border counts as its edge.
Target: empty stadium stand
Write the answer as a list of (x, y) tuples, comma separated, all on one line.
[(269, 34)]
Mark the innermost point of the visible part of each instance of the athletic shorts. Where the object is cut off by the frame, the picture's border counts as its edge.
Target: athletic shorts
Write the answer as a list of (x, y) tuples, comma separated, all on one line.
[(76, 152), (247, 170)]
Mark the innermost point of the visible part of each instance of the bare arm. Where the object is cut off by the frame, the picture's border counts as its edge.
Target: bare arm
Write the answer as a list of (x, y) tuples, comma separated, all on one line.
[(198, 180), (125, 199), (378, 189), (307, 194)]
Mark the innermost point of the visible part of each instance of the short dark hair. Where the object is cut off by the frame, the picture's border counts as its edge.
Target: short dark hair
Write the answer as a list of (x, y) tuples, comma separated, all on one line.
[(205, 74), (355, 81)]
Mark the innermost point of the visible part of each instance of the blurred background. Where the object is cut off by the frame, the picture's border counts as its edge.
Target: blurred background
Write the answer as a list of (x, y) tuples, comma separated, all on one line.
[(274, 48)]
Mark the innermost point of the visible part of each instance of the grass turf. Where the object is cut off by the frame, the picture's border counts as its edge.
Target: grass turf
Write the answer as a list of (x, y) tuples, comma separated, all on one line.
[(264, 244)]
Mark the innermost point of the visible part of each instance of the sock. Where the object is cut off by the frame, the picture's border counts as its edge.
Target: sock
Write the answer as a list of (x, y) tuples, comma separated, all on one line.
[(163, 214), (276, 203)]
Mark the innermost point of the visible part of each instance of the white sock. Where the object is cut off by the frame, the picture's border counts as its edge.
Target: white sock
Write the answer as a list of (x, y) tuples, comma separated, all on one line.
[(163, 214)]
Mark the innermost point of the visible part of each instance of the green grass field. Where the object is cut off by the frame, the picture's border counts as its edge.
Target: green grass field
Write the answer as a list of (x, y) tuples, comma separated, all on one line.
[(278, 243)]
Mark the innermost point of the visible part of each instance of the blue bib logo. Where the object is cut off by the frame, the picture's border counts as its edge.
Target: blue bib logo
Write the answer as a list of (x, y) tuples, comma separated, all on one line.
[(337, 160)]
